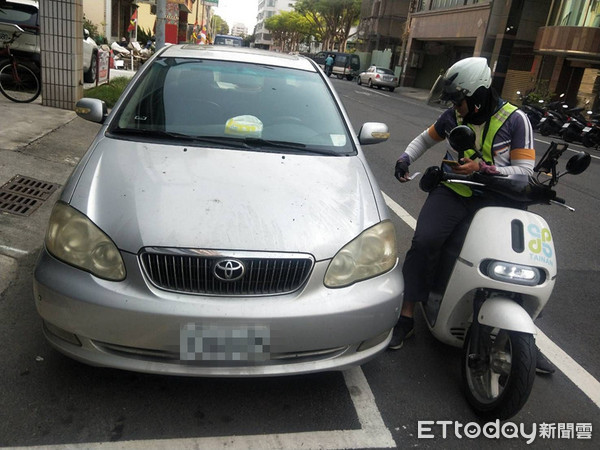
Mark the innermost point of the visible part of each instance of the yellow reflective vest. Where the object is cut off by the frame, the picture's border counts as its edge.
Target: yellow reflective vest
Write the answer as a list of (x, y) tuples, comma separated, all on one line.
[(489, 133)]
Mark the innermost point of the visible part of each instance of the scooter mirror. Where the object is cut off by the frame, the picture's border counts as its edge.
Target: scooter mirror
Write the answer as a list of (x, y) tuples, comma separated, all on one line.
[(578, 163), (431, 178), (461, 139)]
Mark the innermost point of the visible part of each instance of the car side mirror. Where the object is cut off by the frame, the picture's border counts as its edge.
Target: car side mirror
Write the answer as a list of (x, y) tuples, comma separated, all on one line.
[(373, 133), (92, 109)]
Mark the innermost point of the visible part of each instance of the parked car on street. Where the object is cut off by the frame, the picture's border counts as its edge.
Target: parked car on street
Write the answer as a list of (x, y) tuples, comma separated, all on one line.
[(25, 13), (345, 65), (379, 77), (223, 222), (222, 39)]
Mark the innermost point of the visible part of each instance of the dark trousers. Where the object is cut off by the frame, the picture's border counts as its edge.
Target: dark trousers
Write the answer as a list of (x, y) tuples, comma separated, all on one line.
[(442, 212)]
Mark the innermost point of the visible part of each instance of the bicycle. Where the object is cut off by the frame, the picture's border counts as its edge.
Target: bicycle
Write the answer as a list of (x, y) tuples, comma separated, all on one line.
[(17, 81)]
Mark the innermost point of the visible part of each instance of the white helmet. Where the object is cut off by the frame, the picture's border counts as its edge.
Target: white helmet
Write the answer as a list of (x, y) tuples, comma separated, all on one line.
[(465, 77)]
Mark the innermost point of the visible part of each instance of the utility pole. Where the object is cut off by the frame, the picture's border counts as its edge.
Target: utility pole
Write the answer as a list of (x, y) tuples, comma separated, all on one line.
[(161, 21)]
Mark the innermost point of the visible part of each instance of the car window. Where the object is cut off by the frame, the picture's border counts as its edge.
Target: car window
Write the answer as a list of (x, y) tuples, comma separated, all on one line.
[(26, 16), (194, 97)]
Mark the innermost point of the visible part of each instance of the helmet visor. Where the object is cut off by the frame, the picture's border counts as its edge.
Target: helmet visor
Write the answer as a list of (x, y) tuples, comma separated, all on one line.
[(451, 91)]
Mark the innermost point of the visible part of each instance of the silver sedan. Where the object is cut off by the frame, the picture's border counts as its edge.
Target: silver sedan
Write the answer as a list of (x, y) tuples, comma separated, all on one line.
[(379, 77), (224, 222)]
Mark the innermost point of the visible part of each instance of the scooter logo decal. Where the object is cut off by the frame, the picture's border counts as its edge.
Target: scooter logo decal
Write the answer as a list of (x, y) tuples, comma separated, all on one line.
[(540, 246)]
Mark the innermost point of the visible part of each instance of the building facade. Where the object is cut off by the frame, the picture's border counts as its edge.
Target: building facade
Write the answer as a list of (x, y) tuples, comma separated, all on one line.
[(527, 42), (112, 17), (266, 9), (382, 26)]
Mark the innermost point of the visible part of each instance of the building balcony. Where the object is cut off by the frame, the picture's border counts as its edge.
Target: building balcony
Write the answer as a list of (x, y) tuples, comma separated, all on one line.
[(569, 42)]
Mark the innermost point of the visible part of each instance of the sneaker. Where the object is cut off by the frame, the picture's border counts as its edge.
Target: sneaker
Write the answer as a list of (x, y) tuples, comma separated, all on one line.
[(405, 328), (543, 365)]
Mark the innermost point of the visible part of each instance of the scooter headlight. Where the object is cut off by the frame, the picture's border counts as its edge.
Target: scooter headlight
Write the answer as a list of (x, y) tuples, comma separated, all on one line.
[(513, 273)]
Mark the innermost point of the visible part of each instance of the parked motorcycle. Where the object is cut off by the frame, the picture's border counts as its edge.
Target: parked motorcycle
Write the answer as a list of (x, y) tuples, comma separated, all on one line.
[(554, 118), (590, 135), (535, 112), (494, 278), (574, 125)]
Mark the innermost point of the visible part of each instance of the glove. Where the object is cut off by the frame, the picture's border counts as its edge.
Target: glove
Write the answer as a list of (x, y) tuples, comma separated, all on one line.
[(487, 169), (401, 168)]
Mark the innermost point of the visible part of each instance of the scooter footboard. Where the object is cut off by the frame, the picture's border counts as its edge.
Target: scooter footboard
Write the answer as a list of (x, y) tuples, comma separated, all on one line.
[(504, 313)]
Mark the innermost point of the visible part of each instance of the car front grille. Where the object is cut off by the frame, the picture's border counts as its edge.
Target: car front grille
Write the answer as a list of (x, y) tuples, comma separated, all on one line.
[(210, 272)]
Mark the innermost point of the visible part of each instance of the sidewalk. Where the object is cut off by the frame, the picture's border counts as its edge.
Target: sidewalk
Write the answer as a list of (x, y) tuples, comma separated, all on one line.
[(28, 147)]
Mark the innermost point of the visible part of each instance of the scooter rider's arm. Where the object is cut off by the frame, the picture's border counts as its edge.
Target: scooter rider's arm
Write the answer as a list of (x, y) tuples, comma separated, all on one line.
[(414, 151), (518, 155)]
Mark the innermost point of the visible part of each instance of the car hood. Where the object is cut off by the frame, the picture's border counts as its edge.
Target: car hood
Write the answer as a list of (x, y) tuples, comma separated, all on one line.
[(143, 194)]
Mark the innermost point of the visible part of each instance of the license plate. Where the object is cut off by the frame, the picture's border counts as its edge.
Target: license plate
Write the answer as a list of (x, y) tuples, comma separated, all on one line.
[(565, 125), (542, 120), (586, 129), (224, 343)]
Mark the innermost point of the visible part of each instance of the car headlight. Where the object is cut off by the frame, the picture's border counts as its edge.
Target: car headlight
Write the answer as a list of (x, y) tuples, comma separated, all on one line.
[(513, 273), (76, 240), (370, 254)]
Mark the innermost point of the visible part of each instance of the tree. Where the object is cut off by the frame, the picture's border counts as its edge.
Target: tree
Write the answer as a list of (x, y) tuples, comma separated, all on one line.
[(288, 29), (331, 20), (219, 25)]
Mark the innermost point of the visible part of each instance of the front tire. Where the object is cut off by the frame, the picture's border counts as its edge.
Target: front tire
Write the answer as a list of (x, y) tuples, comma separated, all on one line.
[(499, 383), (25, 88), (90, 75)]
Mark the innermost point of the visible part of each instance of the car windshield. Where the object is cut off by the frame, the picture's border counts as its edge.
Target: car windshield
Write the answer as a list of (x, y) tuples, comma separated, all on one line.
[(234, 105), (385, 71)]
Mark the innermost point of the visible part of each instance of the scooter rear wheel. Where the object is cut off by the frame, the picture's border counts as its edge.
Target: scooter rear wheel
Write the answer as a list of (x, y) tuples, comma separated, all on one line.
[(545, 129), (591, 140), (498, 384)]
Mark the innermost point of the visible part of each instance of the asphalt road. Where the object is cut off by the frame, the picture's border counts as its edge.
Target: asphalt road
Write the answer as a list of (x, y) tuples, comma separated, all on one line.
[(50, 400)]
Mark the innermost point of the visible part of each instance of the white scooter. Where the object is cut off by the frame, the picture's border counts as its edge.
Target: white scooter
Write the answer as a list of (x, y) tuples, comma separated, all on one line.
[(495, 275)]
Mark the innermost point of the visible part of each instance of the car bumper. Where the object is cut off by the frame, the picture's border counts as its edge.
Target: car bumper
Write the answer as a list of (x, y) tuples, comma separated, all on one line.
[(132, 325)]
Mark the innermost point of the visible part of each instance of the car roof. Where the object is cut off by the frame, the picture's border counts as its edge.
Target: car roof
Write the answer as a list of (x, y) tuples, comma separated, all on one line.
[(239, 54), (25, 2)]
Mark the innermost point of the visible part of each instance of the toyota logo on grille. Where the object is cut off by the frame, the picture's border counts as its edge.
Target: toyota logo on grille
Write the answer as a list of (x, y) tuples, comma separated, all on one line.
[(229, 270)]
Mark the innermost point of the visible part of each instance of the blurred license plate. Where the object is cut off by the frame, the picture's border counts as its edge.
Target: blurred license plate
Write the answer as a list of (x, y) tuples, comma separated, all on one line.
[(566, 125), (224, 343), (586, 129)]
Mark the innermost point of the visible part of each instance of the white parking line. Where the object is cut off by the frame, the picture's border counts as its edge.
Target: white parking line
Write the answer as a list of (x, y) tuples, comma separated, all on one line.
[(372, 434), (567, 365)]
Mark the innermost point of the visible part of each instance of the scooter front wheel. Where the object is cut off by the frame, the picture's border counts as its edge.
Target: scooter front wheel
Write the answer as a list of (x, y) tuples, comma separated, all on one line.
[(498, 379)]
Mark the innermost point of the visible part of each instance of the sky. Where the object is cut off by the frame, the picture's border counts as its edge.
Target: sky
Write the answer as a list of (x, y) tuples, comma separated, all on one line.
[(238, 11)]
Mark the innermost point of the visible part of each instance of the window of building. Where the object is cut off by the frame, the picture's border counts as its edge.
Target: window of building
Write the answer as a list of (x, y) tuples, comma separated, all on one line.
[(580, 13)]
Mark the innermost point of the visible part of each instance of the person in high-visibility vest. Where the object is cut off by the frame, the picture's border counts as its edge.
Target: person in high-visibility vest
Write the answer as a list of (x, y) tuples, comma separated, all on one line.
[(504, 138)]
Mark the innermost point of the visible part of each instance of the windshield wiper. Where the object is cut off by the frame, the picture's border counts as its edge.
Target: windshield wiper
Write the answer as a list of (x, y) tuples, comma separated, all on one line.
[(227, 141), (295, 147)]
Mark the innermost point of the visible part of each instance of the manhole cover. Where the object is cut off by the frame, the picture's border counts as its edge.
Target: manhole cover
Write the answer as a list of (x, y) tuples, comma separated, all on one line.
[(23, 195)]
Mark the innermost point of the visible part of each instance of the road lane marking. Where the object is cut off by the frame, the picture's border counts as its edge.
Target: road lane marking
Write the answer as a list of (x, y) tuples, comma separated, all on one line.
[(372, 434), (567, 365), (579, 148), (12, 250)]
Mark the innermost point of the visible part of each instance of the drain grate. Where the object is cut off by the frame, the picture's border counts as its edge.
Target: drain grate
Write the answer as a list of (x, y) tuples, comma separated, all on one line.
[(23, 195)]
